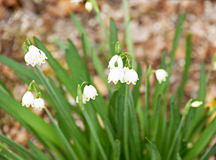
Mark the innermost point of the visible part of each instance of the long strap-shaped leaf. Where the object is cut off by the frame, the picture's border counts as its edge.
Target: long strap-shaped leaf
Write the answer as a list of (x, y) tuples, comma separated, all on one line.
[(17, 147), (67, 118), (202, 142), (95, 59), (26, 117)]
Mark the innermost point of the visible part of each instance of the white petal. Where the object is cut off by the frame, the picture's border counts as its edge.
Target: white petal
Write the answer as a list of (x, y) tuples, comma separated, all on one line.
[(27, 99), (28, 58), (88, 6), (161, 75), (89, 92), (115, 59), (131, 76), (38, 103), (196, 103), (115, 74)]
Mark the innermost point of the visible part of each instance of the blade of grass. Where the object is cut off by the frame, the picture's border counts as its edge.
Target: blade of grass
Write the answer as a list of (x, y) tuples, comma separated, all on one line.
[(16, 147), (95, 6), (155, 155), (180, 91), (113, 36), (136, 88), (209, 153), (134, 127), (129, 40), (95, 59), (173, 51), (39, 153)]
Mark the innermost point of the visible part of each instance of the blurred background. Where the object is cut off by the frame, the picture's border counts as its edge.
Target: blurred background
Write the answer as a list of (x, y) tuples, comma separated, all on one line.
[(152, 27)]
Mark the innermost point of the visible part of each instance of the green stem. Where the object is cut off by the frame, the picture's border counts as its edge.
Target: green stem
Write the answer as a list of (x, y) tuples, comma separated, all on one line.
[(128, 32), (210, 71), (56, 100), (186, 110), (91, 126), (125, 123), (95, 6), (68, 147)]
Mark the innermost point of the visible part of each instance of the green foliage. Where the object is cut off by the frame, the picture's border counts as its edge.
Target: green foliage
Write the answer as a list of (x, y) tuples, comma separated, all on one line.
[(127, 129)]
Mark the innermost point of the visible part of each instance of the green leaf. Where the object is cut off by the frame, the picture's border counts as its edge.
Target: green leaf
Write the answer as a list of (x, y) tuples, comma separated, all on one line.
[(117, 150), (180, 91), (209, 153), (19, 69), (60, 72), (202, 142), (95, 59), (67, 146), (16, 147), (39, 153), (129, 40), (75, 64), (113, 36), (136, 88), (23, 115), (155, 155)]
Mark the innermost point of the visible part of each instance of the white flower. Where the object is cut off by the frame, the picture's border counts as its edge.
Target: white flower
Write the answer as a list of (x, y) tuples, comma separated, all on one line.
[(83, 99), (161, 75), (130, 76), (27, 99), (196, 104), (89, 92), (35, 56), (115, 59), (76, 1), (115, 75), (88, 6), (38, 103), (214, 67)]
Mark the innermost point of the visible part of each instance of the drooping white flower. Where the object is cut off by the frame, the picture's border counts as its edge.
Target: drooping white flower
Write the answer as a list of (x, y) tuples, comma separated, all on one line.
[(115, 75), (88, 6), (89, 92), (196, 104), (83, 99), (27, 99), (130, 76), (161, 75), (38, 103), (115, 59), (35, 56)]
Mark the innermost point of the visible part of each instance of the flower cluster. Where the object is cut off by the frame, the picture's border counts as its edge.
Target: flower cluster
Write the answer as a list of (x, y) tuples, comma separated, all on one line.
[(120, 73), (89, 92), (28, 99), (35, 56)]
